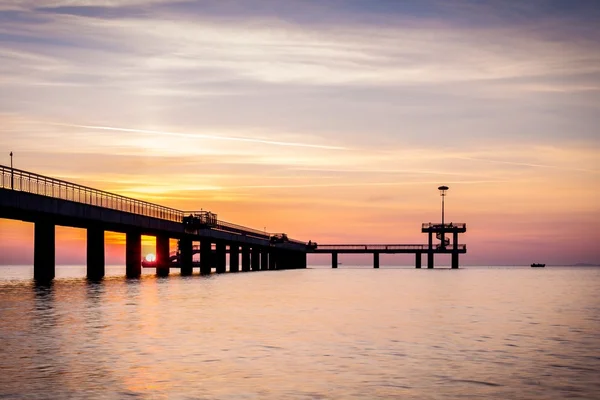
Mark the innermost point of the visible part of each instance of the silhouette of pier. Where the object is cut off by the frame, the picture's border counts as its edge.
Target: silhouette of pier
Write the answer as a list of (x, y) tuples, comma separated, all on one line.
[(48, 202), (440, 230)]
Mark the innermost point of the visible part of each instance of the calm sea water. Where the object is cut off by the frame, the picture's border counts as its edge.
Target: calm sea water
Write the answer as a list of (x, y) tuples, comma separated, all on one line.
[(499, 333)]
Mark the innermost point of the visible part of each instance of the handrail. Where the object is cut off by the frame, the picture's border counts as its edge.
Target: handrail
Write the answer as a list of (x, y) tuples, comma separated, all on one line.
[(24, 181), (30, 182), (451, 225), (383, 247)]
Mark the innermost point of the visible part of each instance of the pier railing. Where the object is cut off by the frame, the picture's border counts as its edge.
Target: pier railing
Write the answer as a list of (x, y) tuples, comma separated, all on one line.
[(449, 226), (24, 181), (381, 247), (16, 179)]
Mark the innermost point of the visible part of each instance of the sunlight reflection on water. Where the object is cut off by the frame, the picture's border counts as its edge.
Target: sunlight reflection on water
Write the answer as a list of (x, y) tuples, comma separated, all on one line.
[(346, 333)]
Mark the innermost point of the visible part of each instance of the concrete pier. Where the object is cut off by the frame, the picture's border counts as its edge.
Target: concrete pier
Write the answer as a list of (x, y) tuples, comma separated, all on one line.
[(221, 262), (334, 260), (95, 253), (186, 256), (255, 259), (133, 254), (205, 257), (375, 260), (234, 258), (163, 263), (44, 265)]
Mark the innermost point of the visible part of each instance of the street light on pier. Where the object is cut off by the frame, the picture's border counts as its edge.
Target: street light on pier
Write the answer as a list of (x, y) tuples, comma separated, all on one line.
[(443, 190)]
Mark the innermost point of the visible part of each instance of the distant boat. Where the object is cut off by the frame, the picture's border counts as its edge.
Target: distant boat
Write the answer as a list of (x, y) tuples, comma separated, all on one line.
[(536, 265)]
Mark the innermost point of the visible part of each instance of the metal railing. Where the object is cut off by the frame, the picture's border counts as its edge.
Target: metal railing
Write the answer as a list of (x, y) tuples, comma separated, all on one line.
[(381, 247), (451, 225), (24, 181), (29, 182)]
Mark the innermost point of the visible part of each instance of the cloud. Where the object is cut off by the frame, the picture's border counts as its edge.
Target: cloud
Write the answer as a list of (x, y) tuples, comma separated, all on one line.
[(203, 136)]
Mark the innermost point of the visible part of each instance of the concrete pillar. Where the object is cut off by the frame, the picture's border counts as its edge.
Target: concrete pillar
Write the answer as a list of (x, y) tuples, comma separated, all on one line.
[(430, 251), (133, 254), (334, 260), (95, 253), (264, 260), (455, 250), (163, 263), (245, 258), (418, 260), (221, 258), (454, 260), (44, 265), (375, 260), (302, 260), (272, 260), (186, 256), (234, 258), (255, 259), (205, 257)]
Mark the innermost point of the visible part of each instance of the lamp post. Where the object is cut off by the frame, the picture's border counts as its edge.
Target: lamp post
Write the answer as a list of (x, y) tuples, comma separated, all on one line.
[(443, 190), (12, 180)]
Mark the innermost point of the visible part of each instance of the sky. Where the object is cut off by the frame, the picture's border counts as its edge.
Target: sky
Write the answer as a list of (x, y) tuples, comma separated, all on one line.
[(332, 121)]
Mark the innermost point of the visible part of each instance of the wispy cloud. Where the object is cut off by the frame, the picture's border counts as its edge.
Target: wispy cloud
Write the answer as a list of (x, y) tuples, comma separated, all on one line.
[(202, 136)]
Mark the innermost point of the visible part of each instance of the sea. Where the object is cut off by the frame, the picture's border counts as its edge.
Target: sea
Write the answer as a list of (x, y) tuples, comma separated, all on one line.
[(318, 333)]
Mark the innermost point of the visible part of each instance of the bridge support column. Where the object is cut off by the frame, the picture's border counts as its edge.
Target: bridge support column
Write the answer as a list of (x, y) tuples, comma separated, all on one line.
[(284, 261), (455, 250), (375, 260), (334, 260), (430, 251), (163, 262), (264, 260), (255, 259), (272, 260), (302, 260), (133, 254), (245, 259), (221, 258), (95, 253), (186, 256), (454, 260), (44, 251), (234, 258), (205, 257), (418, 260)]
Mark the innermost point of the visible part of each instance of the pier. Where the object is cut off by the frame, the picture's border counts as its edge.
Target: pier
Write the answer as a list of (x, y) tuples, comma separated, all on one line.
[(48, 202), (430, 249)]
